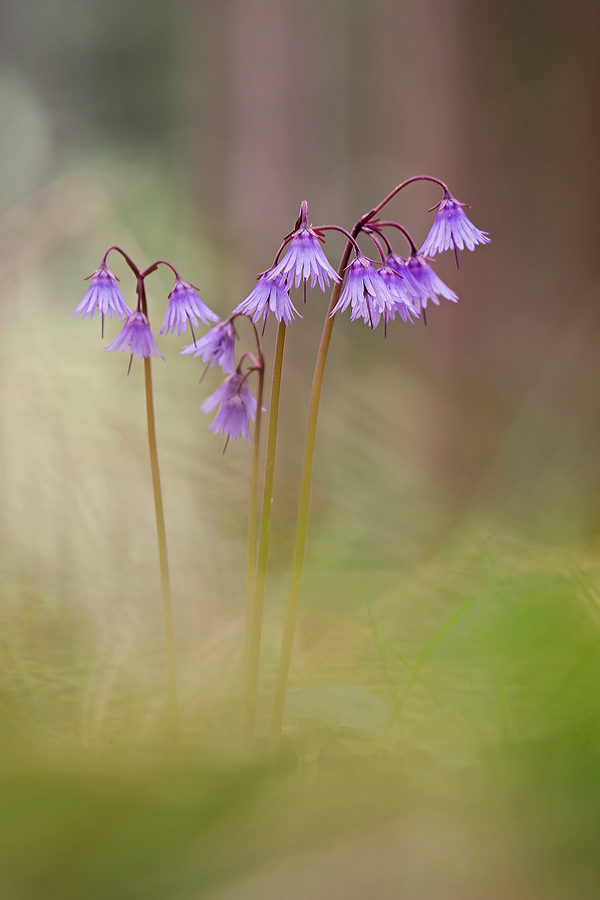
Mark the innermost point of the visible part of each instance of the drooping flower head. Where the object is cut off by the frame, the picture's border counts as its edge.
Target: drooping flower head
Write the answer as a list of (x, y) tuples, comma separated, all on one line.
[(305, 258), (136, 337), (237, 407), (184, 304), (366, 291), (422, 280), (452, 229), (217, 347), (401, 291), (269, 294), (103, 295)]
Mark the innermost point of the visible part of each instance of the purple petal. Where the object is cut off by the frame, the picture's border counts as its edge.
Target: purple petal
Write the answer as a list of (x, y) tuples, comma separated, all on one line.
[(136, 337), (366, 292), (184, 305), (403, 294), (216, 347), (103, 295), (305, 259), (237, 407), (452, 229), (270, 294), (426, 283)]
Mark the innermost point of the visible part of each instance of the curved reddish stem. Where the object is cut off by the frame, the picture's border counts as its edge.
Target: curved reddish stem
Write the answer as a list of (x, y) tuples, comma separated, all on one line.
[(377, 243), (379, 232), (346, 234), (368, 216), (162, 262), (401, 228), (125, 256), (247, 355)]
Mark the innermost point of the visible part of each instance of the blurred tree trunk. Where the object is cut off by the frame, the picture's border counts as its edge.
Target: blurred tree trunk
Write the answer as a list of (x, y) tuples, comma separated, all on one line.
[(337, 101), (520, 340)]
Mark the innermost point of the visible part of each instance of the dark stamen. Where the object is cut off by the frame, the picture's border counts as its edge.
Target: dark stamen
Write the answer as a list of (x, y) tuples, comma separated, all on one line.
[(129, 366), (425, 315), (369, 308)]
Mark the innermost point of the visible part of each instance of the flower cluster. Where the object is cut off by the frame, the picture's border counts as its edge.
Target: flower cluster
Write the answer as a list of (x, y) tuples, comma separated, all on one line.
[(136, 336), (399, 285), (304, 261), (411, 281), (395, 285), (421, 281)]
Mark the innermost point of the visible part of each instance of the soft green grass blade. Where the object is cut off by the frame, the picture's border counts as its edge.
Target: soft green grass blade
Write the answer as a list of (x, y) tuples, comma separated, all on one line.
[(426, 651)]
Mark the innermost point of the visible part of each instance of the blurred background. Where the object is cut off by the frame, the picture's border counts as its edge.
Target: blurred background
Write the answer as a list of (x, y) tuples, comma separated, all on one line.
[(452, 572)]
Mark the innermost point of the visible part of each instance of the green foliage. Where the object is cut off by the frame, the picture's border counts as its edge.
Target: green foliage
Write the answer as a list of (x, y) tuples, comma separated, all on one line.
[(484, 714)]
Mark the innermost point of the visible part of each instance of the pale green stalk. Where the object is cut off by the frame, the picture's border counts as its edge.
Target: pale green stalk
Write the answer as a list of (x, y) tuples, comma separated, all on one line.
[(162, 555), (304, 504), (158, 502), (252, 521), (307, 467), (251, 686), (160, 531)]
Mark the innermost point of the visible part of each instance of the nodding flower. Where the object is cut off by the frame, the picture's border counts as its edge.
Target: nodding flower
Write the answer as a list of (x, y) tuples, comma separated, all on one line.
[(184, 304), (136, 337), (216, 347), (237, 407), (404, 295), (269, 294), (103, 295), (452, 229), (305, 258), (366, 291), (421, 278)]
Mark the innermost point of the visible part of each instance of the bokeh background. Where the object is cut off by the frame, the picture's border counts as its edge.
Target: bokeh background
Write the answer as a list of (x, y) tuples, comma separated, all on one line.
[(452, 572)]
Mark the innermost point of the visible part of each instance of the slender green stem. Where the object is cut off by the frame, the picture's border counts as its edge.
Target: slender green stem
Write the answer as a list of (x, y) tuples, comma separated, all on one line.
[(251, 687), (162, 555), (161, 533), (307, 466), (252, 521), (304, 504)]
